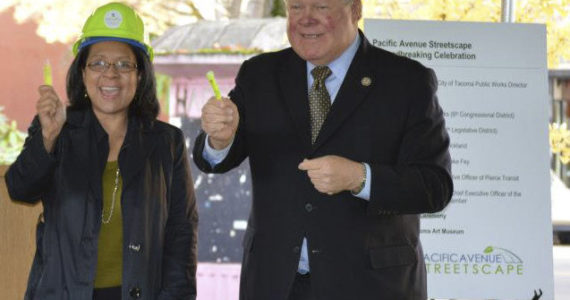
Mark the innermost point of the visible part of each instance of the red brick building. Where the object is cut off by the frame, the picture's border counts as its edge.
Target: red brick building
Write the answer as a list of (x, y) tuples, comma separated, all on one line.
[(23, 54)]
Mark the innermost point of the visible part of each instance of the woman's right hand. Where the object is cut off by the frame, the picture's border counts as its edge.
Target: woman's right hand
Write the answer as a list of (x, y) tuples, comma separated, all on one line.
[(51, 113)]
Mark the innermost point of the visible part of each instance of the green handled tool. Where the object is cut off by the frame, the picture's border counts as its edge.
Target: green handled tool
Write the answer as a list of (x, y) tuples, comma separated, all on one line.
[(214, 84)]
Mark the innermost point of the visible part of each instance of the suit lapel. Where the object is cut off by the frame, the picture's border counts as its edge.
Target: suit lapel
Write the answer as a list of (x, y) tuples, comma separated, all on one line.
[(358, 82), (293, 85), (90, 137), (138, 145)]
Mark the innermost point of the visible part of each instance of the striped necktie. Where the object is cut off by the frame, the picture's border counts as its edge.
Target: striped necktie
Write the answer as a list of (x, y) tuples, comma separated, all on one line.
[(319, 100)]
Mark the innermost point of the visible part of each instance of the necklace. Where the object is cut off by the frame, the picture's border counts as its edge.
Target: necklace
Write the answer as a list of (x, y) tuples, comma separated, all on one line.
[(117, 174)]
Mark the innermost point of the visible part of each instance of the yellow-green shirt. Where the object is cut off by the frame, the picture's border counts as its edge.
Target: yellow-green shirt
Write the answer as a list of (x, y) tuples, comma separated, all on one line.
[(110, 250)]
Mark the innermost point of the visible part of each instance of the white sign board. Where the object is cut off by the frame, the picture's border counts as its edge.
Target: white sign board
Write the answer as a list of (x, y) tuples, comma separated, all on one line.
[(494, 240)]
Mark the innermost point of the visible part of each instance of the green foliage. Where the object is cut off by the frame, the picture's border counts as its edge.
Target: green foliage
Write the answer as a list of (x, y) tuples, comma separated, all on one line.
[(554, 13), (278, 9), (163, 83), (11, 140)]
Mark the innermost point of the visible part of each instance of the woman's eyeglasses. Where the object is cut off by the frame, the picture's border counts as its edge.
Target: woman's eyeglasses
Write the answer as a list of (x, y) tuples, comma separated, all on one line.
[(121, 66)]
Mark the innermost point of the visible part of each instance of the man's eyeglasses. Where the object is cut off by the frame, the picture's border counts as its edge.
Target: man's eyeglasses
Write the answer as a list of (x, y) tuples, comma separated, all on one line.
[(121, 66)]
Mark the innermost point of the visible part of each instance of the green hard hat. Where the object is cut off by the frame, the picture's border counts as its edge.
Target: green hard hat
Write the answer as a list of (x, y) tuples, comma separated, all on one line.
[(114, 22)]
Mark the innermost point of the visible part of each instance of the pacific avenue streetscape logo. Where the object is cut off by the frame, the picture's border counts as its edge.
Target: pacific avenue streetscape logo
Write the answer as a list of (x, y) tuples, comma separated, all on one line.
[(492, 261)]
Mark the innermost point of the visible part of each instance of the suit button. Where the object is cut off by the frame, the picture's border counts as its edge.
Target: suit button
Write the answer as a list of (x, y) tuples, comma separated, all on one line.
[(296, 249), (135, 247), (135, 292), (316, 251), (308, 207)]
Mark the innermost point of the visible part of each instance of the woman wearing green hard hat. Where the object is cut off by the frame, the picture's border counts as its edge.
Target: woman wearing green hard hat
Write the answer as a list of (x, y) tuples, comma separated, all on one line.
[(120, 219)]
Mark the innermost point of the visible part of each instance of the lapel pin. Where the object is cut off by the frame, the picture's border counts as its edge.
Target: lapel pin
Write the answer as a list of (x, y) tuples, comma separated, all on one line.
[(366, 81)]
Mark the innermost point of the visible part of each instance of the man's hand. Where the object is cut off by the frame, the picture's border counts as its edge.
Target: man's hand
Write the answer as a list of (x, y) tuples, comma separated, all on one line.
[(333, 174), (51, 113), (220, 120)]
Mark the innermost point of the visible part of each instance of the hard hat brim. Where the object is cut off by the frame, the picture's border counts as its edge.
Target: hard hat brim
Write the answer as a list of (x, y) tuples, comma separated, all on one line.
[(96, 39)]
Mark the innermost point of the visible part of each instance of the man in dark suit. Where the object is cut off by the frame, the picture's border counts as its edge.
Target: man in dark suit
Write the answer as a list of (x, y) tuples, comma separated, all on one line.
[(347, 145)]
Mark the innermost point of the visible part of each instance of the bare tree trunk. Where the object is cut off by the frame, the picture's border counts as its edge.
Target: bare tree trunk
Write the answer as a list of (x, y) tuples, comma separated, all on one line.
[(233, 7), (256, 8)]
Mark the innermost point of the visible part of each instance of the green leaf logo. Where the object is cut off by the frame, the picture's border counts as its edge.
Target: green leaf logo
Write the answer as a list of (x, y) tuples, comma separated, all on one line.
[(488, 250)]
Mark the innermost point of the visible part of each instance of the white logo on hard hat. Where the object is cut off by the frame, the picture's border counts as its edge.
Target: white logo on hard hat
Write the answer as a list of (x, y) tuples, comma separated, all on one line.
[(113, 19)]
